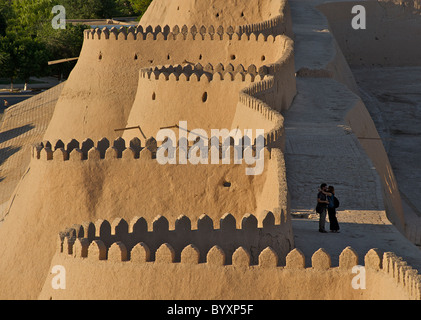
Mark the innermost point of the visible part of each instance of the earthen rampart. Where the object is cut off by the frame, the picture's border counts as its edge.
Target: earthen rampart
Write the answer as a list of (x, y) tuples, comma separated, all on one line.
[(83, 179), (381, 276), (156, 47), (271, 27), (118, 149), (227, 234)]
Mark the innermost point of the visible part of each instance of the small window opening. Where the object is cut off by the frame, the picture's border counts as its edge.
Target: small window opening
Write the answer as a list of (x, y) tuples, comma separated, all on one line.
[(205, 97)]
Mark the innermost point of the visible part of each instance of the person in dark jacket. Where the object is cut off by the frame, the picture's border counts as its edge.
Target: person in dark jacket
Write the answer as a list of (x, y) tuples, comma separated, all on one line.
[(331, 209), (321, 208)]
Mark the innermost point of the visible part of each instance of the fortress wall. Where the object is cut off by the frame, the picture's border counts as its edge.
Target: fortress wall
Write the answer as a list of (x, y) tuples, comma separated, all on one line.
[(413, 233), (269, 97), (55, 193), (210, 91), (210, 44), (362, 125), (91, 272), (152, 234), (205, 101), (391, 38), (245, 14), (273, 193), (358, 118), (79, 180), (279, 94), (99, 94), (116, 166)]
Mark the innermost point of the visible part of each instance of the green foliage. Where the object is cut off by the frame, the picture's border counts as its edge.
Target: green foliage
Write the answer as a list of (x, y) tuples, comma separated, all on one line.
[(103, 9), (140, 6), (87, 9), (61, 44), (8, 57), (29, 15), (28, 41), (32, 58)]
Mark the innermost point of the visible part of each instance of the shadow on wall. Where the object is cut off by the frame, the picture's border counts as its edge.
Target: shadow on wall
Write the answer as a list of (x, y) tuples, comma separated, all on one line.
[(6, 153), (391, 37), (15, 132)]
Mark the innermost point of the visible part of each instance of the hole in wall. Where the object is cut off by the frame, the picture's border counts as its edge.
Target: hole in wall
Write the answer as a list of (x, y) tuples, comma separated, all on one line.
[(200, 57), (226, 184), (135, 56), (263, 58), (233, 57), (168, 57), (100, 56), (217, 15), (205, 97), (153, 96), (242, 14)]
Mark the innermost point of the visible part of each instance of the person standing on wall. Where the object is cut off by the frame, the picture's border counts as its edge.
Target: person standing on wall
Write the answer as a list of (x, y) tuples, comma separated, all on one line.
[(6, 103), (331, 209), (321, 208)]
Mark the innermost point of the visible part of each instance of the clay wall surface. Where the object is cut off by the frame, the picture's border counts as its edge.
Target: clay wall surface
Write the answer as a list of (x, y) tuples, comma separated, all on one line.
[(100, 91), (362, 124), (80, 179), (91, 265), (228, 234), (383, 43), (207, 102), (247, 16), (68, 185)]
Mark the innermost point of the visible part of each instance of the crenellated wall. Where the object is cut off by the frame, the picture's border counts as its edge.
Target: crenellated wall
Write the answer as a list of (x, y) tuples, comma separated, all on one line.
[(114, 84), (217, 97), (266, 16), (184, 273), (57, 191), (227, 233), (100, 93)]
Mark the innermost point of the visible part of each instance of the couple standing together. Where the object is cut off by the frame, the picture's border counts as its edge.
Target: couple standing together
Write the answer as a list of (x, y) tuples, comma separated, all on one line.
[(327, 204)]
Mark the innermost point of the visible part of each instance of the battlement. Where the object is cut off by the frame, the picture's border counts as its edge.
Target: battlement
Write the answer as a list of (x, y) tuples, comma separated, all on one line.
[(251, 98), (254, 32), (102, 240), (75, 151), (208, 73), (386, 270)]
